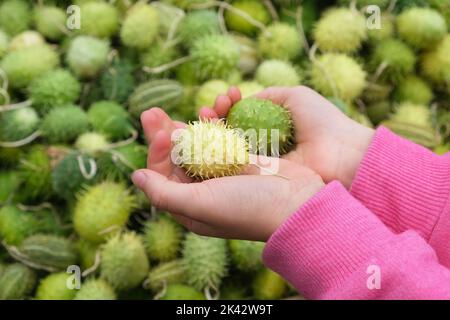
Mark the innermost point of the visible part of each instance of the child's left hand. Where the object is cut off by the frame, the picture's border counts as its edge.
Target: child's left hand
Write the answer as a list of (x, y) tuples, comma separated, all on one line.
[(250, 206)]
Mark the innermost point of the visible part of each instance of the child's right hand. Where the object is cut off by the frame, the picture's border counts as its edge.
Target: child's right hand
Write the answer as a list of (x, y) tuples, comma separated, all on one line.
[(328, 142)]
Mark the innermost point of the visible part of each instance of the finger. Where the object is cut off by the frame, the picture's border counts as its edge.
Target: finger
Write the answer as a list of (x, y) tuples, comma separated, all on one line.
[(159, 154), (262, 165), (154, 120), (207, 113), (179, 124), (234, 94), (222, 106), (277, 95), (195, 226)]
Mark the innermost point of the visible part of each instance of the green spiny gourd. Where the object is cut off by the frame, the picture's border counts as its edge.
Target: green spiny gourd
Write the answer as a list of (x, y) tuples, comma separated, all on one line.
[(375, 92), (435, 64), (54, 287), (280, 41), (4, 43), (402, 5), (124, 263), (46, 252), (268, 285), (117, 82), (87, 56), (341, 30), (421, 27), (209, 150), (248, 54), (54, 89), (140, 26), (214, 56), (23, 65), (91, 143), (277, 73), (102, 209), (64, 124), (258, 118), (87, 252), (162, 238), (96, 289), (415, 90), (386, 30), (72, 173), (10, 157), (164, 93), (252, 8), (111, 119), (99, 19), (249, 88), (186, 75), (396, 58), (157, 55), (15, 16), (35, 170), (246, 255), (50, 21), (18, 124), (378, 111), (205, 260), (10, 183), (182, 292), (207, 93), (16, 282), (166, 273), (413, 114), (197, 24), (442, 6), (339, 76), (119, 163), (169, 17), (26, 39)]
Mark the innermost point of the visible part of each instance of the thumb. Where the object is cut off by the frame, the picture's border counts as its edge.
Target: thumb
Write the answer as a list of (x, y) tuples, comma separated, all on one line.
[(277, 95)]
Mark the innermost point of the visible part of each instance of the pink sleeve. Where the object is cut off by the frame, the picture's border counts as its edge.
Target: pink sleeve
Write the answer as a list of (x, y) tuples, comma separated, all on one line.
[(408, 188), (335, 248)]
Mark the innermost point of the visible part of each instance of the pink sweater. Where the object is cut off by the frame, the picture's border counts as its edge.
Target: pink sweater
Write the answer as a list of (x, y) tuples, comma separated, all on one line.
[(388, 238)]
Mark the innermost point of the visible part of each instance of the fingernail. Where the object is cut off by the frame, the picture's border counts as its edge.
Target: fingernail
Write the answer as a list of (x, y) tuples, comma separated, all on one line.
[(139, 178)]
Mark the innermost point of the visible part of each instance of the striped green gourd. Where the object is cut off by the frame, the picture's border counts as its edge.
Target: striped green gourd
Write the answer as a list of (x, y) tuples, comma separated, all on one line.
[(16, 282), (165, 274), (166, 94), (424, 136), (46, 252)]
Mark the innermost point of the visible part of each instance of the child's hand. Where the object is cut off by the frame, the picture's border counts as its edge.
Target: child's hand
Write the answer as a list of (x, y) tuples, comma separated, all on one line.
[(328, 142), (249, 206)]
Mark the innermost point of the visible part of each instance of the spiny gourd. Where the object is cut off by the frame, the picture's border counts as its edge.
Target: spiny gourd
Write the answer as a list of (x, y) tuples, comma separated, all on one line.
[(23, 65), (166, 273), (268, 285), (248, 54), (53, 89), (118, 164), (197, 24), (162, 238), (378, 111), (158, 55), (50, 21), (10, 157), (26, 39), (186, 75), (87, 252), (111, 119), (124, 263), (87, 56), (214, 56), (209, 91), (258, 118), (209, 150), (15, 16), (16, 224), (205, 260), (340, 30), (249, 88), (11, 182), (280, 41), (140, 26), (246, 255), (377, 91), (385, 31), (96, 289), (54, 287), (91, 143), (117, 81), (182, 292), (338, 75), (435, 64), (4, 43), (253, 8), (102, 209), (421, 27), (16, 282), (18, 124), (413, 113), (398, 58), (164, 93), (99, 19), (277, 73), (415, 90), (46, 252), (72, 173), (64, 124)]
